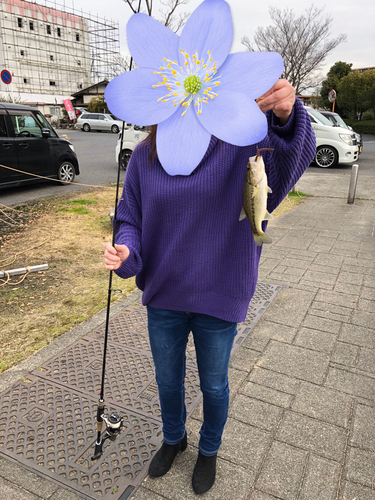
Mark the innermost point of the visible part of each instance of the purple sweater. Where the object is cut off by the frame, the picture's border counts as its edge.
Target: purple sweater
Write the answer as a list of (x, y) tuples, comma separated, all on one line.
[(188, 249)]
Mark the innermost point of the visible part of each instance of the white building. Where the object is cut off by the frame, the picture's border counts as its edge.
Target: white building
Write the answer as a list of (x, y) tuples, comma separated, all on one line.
[(52, 53)]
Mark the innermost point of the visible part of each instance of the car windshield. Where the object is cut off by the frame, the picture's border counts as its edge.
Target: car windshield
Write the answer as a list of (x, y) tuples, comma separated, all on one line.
[(318, 116), (339, 121), (110, 117)]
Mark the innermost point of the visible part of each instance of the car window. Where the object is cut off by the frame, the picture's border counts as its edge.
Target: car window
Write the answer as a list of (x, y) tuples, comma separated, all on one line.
[(45, 123), (94, 117), (24, 124), (84, 117), (3, 128), (319, 117), (101, 117)]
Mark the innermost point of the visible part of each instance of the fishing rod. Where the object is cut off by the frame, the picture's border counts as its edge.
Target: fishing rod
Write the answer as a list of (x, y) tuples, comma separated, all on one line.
[(113, 421)]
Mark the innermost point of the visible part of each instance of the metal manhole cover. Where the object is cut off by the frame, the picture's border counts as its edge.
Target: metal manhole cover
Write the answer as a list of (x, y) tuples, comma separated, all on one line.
[(47, 422)]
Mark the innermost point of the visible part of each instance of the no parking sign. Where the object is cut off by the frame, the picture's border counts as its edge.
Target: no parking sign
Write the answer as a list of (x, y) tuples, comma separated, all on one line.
[(6, 77)]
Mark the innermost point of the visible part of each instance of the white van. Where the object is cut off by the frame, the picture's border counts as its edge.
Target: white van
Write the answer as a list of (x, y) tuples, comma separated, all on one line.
[(333, 144), (133, 135)]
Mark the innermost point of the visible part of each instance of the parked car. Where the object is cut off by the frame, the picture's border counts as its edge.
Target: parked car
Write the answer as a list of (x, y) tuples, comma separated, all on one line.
[(333, 144), (29, 143), (337, 121), (133, 135), (98, 121), (79, 111)]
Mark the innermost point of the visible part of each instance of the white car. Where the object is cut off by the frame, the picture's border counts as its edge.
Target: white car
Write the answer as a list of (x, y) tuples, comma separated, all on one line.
[(133, 135), (98, 121), (333, 144)]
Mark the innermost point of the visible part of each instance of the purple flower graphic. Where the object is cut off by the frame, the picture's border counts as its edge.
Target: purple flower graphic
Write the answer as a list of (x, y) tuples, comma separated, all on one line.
[(191, 87)]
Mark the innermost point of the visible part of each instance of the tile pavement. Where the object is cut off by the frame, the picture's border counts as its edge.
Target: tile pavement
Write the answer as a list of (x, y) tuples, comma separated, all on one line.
[(301, 421)]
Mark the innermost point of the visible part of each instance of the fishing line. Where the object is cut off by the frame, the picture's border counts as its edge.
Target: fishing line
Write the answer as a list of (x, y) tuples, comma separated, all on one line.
[(113, 421)]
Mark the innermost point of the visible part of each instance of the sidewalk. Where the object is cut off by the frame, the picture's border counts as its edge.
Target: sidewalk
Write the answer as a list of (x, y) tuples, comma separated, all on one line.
[(302, 420)]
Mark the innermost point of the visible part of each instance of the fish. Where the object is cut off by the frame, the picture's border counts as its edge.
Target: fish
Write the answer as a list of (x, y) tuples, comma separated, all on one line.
[(255, 192)]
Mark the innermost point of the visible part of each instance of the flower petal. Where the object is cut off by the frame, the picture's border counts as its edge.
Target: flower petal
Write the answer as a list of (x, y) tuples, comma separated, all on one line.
[(252, 73), (181, 142), (209, 28), (234, 118), (132, 98), (149, 41)]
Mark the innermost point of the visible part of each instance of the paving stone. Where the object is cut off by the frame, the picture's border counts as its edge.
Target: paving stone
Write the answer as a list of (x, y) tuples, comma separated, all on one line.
[(266, 394), (322, 403), (289, 307), (321, 313), (316, 340), (350, 278), (282, 471), (363, 428), (330, 279), (366, 305), (369, 281), (345, 354), (320, 246), (254, 412), (367, 293), (266, 330), (232, 481), (244, 359), (144, 494), (313, 435), (285, 279), (325, 325), (339, 299), (337, 311), (360, 467), (319, 268), (9, 491), (321, 480), (365, 319), (62, 494), (353, 491), (346, 288), (258, 495), (27, 480), (315, 285), (304, 255), (327, 259), (358, 335), (351, 383), (301, 264), (277, 381), (366, 360), (290, 271), (296, 361)]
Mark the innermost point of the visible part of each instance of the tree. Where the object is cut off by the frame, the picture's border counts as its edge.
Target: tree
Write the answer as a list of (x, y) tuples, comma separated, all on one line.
[(352, 93), (336, 72), (370, 92), (302, 41), (120, 64), (97, 105), (168, 13)]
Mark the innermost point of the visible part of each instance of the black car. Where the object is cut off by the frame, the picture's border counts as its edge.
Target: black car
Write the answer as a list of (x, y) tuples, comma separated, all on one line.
[(29, 145)]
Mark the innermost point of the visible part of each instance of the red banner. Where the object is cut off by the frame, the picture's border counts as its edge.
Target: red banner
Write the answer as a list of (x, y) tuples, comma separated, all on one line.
[(69, 109)]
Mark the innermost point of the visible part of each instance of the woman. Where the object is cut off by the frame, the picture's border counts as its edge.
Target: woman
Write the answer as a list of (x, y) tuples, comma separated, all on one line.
[(197, 264)]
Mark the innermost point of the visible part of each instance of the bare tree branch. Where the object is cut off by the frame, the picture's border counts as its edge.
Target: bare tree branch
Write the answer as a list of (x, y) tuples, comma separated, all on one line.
[(167, 13), (302, 41)]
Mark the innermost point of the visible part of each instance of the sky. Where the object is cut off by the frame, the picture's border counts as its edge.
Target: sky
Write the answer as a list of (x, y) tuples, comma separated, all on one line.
[(356, 19)]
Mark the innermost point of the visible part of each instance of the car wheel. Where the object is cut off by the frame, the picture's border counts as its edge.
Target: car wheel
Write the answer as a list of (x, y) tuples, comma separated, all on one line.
[(66, 172), (326, 157), (124, 158), (86, 127), (114, 129)]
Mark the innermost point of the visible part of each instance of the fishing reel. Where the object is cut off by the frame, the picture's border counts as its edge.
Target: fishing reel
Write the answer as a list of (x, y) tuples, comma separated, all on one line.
[(113, 423)]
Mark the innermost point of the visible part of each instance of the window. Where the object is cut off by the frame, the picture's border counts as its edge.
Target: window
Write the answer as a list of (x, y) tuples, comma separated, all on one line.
[(48, 29), (77, 37), (58, 31), (24, 124), (52, 83), (79, 85), (51, 57), (3, 128), (22, 52), (26, 80), (79, 63), (54, 111), (31, 25), (19, 21)]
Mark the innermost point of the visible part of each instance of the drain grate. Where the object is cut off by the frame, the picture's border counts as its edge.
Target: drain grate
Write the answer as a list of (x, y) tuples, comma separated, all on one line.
[(47, 421)]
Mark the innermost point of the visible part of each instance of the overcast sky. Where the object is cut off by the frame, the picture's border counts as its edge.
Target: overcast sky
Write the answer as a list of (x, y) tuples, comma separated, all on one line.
[(354, 18)]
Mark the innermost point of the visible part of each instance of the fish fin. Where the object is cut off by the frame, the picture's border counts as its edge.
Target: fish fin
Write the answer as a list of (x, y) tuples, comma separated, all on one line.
[(255, 190), (269, 190), (268, 216), (261, 238), (242, 214)]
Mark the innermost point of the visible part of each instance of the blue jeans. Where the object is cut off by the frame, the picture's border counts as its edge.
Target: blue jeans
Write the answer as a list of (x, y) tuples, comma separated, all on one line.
[(213, 339)]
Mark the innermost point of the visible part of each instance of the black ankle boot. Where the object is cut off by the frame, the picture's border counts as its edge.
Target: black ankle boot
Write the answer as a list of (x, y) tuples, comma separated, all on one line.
[(163, 460), (204, 473)]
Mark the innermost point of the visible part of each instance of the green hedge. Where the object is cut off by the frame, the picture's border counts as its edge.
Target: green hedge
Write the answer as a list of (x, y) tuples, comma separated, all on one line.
[(363, 126)]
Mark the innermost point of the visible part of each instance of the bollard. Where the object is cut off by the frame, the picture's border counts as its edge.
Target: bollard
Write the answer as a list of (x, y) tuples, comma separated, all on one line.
[(353, 183)]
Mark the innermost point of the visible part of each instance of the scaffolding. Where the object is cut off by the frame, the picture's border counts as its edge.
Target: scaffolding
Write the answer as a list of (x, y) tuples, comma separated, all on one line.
[(53, 49)]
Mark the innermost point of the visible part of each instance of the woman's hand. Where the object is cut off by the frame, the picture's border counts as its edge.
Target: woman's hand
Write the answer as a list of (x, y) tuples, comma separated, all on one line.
[(280, 98), (115, 256)]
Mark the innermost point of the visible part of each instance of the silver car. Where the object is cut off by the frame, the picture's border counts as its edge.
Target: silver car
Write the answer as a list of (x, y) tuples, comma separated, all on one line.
[(98, 121)]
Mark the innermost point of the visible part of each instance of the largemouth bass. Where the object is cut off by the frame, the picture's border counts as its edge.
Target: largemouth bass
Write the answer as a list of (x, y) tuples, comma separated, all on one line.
[(255, 193)]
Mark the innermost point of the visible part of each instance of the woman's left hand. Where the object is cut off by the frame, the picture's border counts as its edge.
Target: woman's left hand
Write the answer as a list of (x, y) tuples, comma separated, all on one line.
[(280, 98)]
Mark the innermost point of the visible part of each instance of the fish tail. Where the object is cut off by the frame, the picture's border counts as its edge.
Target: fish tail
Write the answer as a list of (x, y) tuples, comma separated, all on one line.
[(261, 238)]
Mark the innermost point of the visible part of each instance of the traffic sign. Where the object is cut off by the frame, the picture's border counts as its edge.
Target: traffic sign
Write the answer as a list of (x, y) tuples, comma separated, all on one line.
[(6, 77), (332, 95)]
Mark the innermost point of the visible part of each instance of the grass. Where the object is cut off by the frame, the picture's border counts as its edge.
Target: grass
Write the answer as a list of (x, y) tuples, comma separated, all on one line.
[(67, 233)]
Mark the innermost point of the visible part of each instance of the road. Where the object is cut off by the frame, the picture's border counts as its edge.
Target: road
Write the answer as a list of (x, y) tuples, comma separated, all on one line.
[(96, 155)]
